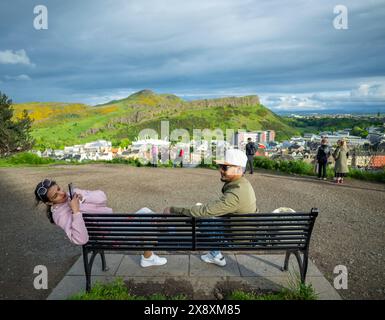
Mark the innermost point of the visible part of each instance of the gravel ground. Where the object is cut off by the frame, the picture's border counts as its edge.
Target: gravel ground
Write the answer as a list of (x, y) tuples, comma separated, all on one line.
[(349, 230)]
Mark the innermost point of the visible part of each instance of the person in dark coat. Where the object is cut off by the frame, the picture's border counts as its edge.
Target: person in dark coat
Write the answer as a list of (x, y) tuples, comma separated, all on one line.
[(323, 154), (250, 153)]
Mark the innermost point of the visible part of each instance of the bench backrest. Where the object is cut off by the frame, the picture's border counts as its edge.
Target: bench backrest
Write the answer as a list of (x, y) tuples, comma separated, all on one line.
[(257, 231)]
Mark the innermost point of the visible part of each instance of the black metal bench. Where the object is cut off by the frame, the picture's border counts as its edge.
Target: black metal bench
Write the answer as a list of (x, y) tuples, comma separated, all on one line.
[(289, 232)]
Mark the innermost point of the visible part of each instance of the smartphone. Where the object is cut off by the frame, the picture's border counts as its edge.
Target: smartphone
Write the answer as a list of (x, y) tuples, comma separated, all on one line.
[(71, 190)]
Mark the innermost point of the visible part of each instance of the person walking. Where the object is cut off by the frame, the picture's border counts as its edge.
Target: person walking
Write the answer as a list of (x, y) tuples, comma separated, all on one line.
[(340, 156), (323, 154), (250, 153), (155, 155), (181, 156)]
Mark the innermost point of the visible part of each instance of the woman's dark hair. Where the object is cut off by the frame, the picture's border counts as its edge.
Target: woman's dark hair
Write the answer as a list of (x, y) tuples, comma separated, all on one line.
[(41, 196)]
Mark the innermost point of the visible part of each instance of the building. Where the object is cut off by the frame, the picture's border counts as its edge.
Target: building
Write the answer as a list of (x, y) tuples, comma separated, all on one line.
[(351, 140), (98, 146), (377, 162), (375, 137), (263, 137)]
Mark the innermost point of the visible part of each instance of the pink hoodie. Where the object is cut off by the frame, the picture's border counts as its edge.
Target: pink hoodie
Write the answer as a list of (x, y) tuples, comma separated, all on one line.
[(73, 224)]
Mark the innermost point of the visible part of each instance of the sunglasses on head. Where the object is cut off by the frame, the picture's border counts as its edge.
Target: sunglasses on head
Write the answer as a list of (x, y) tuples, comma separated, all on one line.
[(45, 185)]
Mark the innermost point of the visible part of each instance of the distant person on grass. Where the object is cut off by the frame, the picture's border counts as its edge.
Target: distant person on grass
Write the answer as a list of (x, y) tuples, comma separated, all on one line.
[(155, 155), (250, 153), (180, 157), (67, 213), (341, 155), (322, 157), (237, 197)]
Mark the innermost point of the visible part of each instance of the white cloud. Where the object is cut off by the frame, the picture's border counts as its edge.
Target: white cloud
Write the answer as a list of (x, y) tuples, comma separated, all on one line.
[(17, 57), (21, 77), (366, 91), (103, 97), (371, 92), (292, 102)]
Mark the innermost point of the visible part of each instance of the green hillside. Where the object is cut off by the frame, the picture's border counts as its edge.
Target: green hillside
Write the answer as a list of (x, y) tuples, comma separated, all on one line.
[(62, 124)]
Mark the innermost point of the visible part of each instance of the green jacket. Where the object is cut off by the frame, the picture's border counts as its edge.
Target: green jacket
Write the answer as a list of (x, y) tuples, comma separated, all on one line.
[(341, 157), (238, 197)]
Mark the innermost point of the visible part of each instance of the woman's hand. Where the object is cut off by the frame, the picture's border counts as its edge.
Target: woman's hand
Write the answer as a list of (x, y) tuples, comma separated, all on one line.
[(75, 204)]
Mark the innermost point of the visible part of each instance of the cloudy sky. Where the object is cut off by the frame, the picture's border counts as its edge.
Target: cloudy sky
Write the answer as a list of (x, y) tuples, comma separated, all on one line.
[(290, 53)]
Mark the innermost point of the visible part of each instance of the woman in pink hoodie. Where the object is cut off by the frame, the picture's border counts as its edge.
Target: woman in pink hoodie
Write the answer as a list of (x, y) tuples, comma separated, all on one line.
[(67, 213)]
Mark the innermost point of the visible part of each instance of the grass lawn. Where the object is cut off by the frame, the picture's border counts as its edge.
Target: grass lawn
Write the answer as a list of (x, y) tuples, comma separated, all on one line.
[(118, 290)]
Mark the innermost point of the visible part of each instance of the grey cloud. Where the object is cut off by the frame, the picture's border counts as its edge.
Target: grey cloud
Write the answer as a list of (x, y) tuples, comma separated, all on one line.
[(224, 47)]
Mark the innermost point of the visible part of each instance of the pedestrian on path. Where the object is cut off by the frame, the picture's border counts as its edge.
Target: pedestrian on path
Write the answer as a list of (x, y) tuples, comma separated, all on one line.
[(250, 153), (323, 154), (341, 155), (155, 155)]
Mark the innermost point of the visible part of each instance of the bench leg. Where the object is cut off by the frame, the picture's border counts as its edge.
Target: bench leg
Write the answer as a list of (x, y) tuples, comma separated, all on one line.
[(104, 265), (88, 266), (286, 264), (87, 269), (302, 263), (305, 260)]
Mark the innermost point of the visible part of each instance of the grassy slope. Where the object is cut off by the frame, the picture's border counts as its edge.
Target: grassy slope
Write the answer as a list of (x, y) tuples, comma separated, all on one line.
[(60, 124), (243, 117)]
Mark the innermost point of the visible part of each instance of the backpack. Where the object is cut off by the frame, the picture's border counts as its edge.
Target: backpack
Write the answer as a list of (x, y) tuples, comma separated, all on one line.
[(250, 148)]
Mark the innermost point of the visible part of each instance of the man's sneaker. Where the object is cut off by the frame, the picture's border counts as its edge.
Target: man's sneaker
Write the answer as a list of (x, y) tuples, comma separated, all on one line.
[(219, 260), (154, 260)]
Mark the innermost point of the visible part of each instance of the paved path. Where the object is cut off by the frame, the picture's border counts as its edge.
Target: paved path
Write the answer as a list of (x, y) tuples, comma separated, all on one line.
[(349, 230), (195, 278)]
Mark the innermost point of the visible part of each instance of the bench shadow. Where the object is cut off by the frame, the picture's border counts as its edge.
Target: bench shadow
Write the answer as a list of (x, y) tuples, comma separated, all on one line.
[(28, 240)]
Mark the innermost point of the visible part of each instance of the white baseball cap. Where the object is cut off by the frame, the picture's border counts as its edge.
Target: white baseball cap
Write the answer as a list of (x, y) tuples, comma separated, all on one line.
[(234, 157)]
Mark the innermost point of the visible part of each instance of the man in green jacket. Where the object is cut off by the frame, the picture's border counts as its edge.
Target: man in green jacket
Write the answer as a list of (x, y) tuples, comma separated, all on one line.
[(237, 197)]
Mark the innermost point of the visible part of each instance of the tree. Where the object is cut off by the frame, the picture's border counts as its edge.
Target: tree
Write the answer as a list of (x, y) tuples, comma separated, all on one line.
[(124, 143), (357, 131), (14, 134)]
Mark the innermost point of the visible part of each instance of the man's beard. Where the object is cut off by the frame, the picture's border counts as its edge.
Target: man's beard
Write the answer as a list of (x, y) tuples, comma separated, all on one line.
[(224, 179)]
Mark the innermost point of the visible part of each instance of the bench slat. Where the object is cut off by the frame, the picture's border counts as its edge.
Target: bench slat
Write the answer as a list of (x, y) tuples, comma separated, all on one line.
[(162, 215)]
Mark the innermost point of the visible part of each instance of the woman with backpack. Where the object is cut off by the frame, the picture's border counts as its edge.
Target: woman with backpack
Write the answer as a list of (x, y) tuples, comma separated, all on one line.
[(323, 154)]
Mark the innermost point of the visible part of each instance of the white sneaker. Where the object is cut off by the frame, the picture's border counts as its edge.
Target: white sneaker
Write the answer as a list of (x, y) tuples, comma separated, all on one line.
[(154, 260), (219, 260)]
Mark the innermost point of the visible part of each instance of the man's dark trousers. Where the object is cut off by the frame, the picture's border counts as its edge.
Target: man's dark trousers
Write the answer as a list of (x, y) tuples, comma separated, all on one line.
[(322, 169), (250, 161)]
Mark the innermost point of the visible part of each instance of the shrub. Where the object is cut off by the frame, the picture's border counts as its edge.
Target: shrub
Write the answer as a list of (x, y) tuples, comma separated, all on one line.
[(378, 176), (132, 162), (296, 290), (25, 158), (117, 290), (304, 168)]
